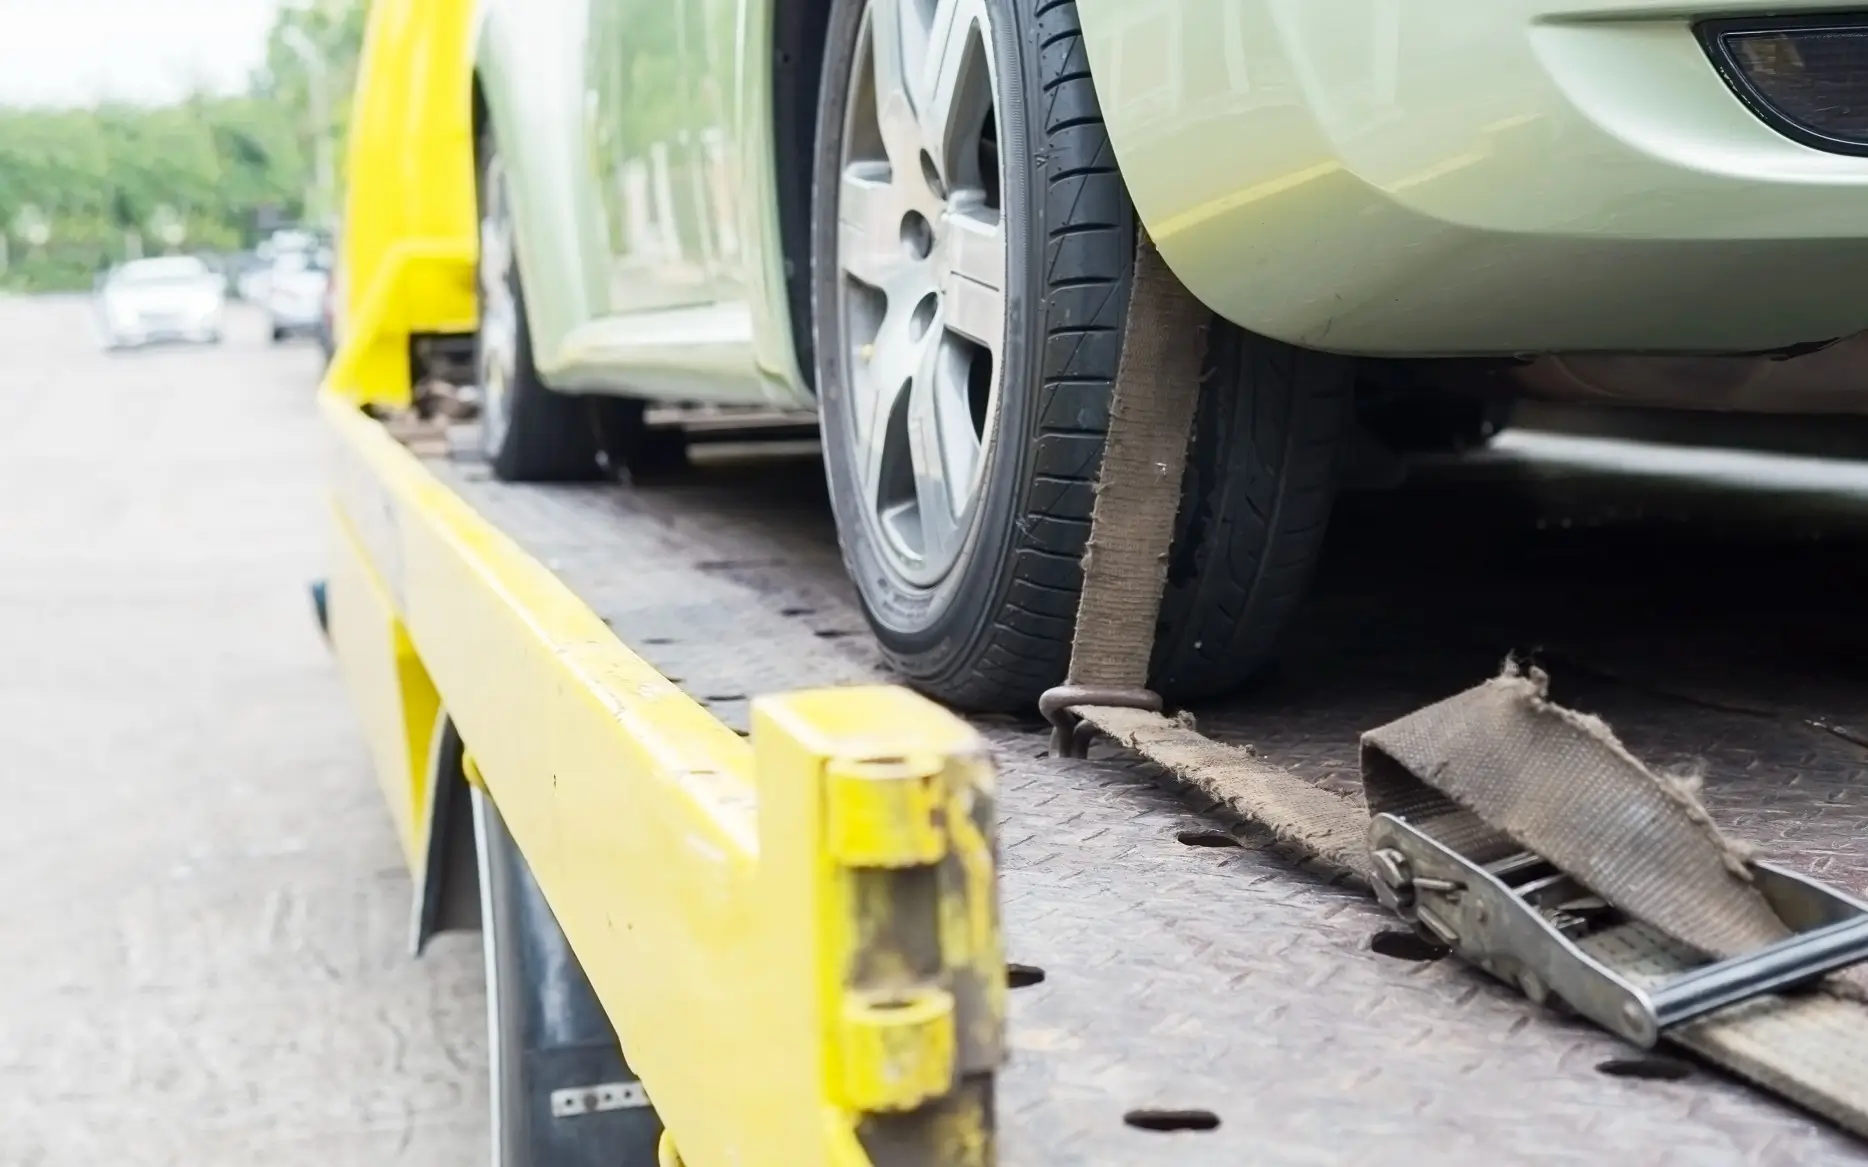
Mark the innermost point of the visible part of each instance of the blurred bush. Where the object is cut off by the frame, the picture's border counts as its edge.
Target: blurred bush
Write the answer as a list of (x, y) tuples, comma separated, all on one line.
[(81, 189)]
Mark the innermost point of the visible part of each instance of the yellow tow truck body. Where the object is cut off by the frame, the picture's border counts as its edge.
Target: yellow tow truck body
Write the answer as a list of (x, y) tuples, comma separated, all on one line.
[(789, 922), (734, 903)]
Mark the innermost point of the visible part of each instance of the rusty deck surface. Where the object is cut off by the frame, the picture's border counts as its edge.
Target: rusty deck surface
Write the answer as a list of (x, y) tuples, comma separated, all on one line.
[(1706, 605)]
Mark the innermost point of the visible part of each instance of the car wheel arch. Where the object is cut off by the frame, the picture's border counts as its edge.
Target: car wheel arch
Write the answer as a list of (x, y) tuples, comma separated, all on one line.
[(556, 241), (798, 46)]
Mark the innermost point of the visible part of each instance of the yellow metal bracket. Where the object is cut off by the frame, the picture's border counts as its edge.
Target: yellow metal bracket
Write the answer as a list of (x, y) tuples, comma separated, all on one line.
[(410, 235), (879, 817), (796, 938)]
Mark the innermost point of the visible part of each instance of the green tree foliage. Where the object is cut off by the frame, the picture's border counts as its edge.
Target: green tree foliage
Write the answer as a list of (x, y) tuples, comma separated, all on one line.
[(224, 163)]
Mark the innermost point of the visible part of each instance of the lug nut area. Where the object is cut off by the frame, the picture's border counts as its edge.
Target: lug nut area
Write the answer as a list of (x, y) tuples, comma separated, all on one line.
[(917, 234), (923, 316), (931, 174)]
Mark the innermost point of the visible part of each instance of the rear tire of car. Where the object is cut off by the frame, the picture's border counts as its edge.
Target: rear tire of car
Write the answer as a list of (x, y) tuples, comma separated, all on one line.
[(1438, 423), (1261, 474), (633, 450), (996, 631), (529, 432)]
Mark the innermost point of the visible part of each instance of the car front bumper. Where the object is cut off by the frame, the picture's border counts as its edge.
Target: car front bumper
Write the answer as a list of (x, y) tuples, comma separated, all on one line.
[(128, 335), (1476, 177), (297, 320)]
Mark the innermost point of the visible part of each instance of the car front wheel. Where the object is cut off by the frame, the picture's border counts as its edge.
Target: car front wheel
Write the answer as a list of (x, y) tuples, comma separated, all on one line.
[(971, 255)]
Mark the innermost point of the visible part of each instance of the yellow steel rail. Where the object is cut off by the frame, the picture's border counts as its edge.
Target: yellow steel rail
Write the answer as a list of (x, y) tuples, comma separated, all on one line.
[(796, 938)]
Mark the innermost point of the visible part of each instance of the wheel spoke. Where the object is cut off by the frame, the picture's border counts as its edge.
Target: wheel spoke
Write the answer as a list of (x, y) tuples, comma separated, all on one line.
[(921, 264), (891, 362), (943, 452), (886, 49), (953, 91), (495, 253), (973, 285), (959, 442), (875, 449), (868, 224), (895, 109), (498, 315)]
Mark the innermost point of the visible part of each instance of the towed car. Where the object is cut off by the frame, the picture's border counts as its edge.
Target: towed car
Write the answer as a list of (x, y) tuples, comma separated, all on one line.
[(175, 298), (920, 218)]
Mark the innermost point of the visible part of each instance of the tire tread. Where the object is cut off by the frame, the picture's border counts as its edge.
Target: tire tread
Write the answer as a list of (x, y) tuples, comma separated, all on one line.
[(1253, 512)]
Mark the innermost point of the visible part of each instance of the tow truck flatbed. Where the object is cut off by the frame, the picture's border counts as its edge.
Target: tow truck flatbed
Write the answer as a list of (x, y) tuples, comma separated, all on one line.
[(1193, 974)]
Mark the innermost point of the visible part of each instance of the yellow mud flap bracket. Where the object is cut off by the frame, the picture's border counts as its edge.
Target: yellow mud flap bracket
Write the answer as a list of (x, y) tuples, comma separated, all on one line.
[(877, 820), (795, 937)]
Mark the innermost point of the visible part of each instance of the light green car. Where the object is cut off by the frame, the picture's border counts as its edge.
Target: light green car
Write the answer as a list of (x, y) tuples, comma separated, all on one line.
[(918, 218)]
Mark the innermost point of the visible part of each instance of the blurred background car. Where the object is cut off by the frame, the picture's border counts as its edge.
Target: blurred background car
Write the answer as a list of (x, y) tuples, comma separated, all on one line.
[(170, 298), (286, 245), (295, 294), (327, 321), (249, 272)]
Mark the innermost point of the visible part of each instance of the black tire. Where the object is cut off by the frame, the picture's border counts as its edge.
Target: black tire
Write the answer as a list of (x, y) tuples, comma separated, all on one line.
[(631, 449), (547, 436), (546, 1030), (278, 335), (1260, 481), (1435, 422), (996, 632)]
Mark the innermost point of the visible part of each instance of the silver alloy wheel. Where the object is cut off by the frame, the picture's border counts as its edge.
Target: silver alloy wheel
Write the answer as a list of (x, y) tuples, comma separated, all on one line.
[(497, 354), (921, 256)]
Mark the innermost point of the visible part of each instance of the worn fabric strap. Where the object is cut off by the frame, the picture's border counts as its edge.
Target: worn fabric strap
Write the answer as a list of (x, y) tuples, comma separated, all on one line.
[(1494, 769), (1558, 783), (1321, 824), (1125, 569), (1138, 489), (1502, 768)]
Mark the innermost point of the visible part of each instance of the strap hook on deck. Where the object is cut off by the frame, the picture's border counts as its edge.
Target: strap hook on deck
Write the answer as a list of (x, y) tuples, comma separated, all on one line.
[(1070, 734), (1138, 494)]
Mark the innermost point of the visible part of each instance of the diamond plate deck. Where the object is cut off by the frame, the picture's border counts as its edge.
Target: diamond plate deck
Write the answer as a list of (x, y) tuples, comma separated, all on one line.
[(1711, 630)]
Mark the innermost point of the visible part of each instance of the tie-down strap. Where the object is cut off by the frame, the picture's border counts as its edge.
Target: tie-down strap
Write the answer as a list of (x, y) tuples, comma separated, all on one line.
[(1521, 833), (1499, 771), (1138, 487)]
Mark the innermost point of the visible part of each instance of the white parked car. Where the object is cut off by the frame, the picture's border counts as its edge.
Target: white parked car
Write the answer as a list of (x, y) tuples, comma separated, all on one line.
[(295, 294), (251, 284), (171, 298)]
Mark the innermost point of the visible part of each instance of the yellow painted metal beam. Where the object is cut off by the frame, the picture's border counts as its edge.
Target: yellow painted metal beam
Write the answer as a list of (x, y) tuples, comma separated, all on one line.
[(387, 684), (796, 938)]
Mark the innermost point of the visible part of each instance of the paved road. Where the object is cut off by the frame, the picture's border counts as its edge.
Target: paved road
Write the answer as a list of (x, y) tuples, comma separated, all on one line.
[(203, 924)]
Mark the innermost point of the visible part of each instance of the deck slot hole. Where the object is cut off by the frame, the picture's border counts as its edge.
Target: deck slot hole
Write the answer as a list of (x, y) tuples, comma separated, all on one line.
[(1651, 1068), (1207, 839), (1404, 945), (1172, 1120)]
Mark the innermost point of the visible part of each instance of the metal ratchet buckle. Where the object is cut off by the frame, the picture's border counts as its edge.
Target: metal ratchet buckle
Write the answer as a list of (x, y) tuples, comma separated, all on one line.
[(1519, 918)]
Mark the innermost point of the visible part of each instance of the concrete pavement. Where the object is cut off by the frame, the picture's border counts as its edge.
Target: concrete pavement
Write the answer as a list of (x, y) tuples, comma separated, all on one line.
[(203, 913)]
